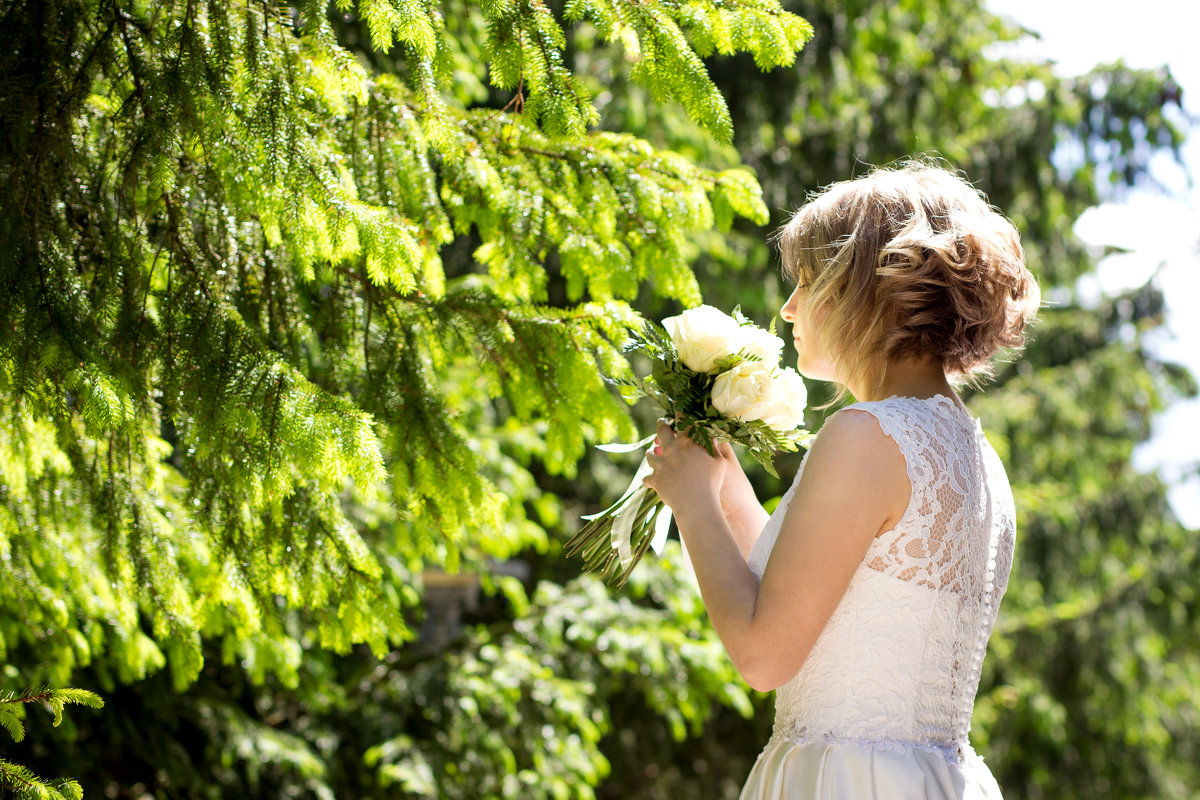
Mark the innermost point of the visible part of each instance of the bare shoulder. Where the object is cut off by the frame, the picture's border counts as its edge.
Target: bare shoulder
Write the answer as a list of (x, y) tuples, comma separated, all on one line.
[(853, 461), (853, 435)]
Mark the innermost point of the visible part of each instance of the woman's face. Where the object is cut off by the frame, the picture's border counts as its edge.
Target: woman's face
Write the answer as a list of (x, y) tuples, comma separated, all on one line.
[(812, 361)]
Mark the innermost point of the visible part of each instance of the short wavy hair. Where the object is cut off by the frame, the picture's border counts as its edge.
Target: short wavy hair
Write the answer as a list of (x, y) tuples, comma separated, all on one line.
[(910, 261)]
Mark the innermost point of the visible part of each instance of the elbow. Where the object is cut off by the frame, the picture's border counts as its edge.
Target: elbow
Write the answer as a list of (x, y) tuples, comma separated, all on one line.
[(765, 672), (758, 684), (763, 681)]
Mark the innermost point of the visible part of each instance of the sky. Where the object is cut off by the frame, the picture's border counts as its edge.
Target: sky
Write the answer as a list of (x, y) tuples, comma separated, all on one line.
[(1160, 226)]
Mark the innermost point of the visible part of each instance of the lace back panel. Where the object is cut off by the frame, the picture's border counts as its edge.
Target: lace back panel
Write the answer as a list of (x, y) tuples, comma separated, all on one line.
[(899, 661)]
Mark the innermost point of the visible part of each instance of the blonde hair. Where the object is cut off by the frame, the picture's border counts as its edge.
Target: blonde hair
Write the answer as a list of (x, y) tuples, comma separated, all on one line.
[(910, 261)]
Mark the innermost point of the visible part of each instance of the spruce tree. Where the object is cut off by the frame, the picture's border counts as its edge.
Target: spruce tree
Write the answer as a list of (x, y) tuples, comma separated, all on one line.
[(246, 399), (227, 320)]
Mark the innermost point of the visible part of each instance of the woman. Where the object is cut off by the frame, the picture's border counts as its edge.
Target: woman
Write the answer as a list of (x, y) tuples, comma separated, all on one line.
[(867, 598)]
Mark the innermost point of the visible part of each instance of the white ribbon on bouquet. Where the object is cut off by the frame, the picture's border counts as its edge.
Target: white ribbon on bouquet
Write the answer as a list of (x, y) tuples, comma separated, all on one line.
[(627, 507)]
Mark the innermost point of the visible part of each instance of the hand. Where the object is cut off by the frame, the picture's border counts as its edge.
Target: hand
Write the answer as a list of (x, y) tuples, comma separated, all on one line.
[(684, 473)]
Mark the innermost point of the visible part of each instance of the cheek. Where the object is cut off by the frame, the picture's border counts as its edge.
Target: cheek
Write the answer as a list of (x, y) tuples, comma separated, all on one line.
[(817, 318), (809, 325), (812, 360)]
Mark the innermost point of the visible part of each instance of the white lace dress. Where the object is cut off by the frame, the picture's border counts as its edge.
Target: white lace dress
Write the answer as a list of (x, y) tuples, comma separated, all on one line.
[(882, 705)]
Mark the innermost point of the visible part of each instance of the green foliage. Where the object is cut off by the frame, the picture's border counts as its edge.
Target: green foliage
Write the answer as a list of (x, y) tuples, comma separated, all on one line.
[(12, 706), (25, 785), (531, 694), (297, 300), (279, 328), (227, 320), (516, 712), (19, 780)]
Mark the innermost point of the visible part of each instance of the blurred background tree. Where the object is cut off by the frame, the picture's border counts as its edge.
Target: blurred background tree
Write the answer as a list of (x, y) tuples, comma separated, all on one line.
[(301, 302)]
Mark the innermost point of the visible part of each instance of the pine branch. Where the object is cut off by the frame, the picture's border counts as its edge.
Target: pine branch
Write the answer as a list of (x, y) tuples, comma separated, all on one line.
[(55, 698), (206, 222), (25, 785), (22, 782)]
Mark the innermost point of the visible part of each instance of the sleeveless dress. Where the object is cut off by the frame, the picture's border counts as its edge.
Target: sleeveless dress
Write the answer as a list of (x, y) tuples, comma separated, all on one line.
[(882, 705)]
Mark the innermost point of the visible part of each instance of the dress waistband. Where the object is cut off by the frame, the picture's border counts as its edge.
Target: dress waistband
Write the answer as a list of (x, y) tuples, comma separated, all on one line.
[(955, 752)]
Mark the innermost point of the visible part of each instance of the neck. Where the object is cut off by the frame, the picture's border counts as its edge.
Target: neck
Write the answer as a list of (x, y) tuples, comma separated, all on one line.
[(908, 377)]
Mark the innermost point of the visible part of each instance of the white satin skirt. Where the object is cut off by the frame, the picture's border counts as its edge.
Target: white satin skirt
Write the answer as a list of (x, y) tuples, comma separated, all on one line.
[(817, 770)]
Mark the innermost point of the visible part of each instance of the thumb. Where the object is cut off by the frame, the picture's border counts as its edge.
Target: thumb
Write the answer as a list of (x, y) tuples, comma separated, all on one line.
[(725, 450)]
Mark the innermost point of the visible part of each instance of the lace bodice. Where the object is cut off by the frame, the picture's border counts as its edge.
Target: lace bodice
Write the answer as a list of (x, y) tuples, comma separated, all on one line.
[(899, 661)]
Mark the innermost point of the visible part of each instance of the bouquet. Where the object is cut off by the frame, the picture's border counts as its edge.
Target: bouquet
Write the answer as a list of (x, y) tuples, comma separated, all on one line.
[(717, 377)]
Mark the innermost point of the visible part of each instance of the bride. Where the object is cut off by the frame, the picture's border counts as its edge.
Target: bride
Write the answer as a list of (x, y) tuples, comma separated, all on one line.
[(868, 597)]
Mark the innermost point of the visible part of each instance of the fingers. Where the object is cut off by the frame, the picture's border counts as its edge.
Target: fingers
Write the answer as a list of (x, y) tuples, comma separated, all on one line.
[(665, 434), (652, 460)]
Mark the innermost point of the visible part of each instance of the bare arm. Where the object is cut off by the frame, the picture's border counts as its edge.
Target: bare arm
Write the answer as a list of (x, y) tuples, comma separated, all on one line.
[(744, 514), (854, 486)]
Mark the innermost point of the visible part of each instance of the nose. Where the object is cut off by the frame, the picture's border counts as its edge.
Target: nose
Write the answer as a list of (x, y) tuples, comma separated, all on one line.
[(788, 312)]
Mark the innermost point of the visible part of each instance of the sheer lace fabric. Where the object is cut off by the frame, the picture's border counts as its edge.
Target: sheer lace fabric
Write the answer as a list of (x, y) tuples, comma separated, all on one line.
[(898, 664)]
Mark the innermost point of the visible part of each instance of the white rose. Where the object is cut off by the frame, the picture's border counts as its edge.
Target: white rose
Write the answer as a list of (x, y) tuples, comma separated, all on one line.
[(702, 336), (753, 391), (762, 344), (743, 392), (789, 397)]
